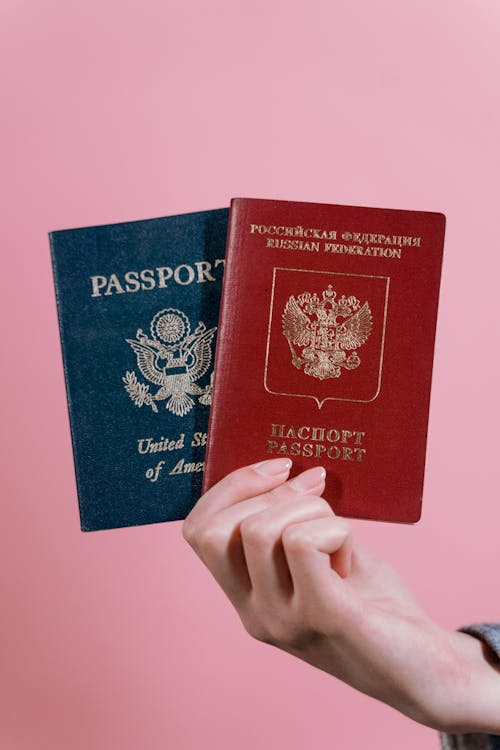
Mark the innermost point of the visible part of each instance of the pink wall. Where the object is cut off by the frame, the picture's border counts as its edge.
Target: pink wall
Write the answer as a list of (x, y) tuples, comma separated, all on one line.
[(115, 111)]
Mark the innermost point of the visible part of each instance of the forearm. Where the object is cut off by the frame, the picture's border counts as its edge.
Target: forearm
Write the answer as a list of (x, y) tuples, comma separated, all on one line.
[(449, 681)]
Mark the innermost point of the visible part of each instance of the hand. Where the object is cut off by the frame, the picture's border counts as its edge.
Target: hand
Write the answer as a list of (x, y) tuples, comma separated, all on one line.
[(290, 568)]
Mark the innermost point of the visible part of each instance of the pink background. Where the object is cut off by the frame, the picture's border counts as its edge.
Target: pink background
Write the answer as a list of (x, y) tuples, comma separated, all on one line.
[(115, 111)]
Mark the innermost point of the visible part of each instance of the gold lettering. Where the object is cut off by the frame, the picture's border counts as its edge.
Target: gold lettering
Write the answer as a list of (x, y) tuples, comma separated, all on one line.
[(132, 277), (98, 282), (333, 452), (271, 445), (147, 276), (184, 467), (141, 447), (318, 433), (114, 285), (277, 430), (190, 274), (148, 445), (332, 436), (280, 244), (199, 439), (164, 274), (203, 267), (178, 467), (322, 445)]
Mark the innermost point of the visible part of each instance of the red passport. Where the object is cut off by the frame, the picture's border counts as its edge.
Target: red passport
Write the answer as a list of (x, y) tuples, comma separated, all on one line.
[(325, 349)]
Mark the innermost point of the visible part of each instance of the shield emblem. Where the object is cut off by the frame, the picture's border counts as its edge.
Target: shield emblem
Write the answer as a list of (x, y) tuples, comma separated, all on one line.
[(326, 335)]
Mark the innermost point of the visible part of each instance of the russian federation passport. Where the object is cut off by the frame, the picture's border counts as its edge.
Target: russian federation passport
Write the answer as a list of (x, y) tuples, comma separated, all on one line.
[(325, 349), (138, 306)]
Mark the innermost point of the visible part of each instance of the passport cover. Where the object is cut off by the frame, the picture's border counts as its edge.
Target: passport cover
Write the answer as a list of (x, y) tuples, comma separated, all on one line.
[(325, 349), (138, 306)]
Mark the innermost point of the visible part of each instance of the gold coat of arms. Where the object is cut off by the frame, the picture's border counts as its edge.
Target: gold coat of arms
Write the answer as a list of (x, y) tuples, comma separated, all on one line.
[(321, 332), (173, 359)]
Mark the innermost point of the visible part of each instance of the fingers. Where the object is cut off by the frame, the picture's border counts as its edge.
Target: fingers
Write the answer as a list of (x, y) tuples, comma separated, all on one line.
[(277, 550), (241, 484), (284, 540), (318, 552), (295, 501), (238, 543)]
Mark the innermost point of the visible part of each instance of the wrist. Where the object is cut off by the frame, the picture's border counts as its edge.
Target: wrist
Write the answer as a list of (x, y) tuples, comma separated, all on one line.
[(469, 702)]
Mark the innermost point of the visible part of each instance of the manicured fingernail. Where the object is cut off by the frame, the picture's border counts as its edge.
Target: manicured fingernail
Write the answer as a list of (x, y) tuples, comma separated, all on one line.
[(308, 479), (273, 467)]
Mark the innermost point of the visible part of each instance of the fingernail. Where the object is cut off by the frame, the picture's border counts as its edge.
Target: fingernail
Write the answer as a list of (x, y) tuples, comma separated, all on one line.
[(308, 479), (273, 467)]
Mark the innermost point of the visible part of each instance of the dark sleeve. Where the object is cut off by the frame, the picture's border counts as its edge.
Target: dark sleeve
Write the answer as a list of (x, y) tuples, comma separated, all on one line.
[(489, 632)]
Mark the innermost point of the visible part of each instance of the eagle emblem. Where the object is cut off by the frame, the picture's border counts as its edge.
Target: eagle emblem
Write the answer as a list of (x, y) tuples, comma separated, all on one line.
[(326, 329), (173, 359)]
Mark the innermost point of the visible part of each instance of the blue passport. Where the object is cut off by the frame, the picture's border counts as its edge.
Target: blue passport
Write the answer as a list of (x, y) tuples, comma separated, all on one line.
[(138, 306)]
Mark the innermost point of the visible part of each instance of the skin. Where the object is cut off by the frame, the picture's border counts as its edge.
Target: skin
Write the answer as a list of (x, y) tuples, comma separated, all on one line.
[(298, 582)]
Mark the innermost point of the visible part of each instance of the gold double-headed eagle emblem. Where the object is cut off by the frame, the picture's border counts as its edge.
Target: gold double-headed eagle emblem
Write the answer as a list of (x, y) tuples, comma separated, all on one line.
[(325, 329)]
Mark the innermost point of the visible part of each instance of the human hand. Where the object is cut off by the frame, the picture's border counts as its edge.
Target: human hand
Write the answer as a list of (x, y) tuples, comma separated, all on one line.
[(297, 581)]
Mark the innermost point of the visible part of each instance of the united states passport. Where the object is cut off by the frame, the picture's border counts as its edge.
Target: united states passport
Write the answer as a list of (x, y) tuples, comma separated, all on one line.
[(325, 349), (138, 306)]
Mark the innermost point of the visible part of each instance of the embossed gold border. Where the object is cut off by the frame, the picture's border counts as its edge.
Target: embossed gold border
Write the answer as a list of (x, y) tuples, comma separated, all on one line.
[(320, 402)]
